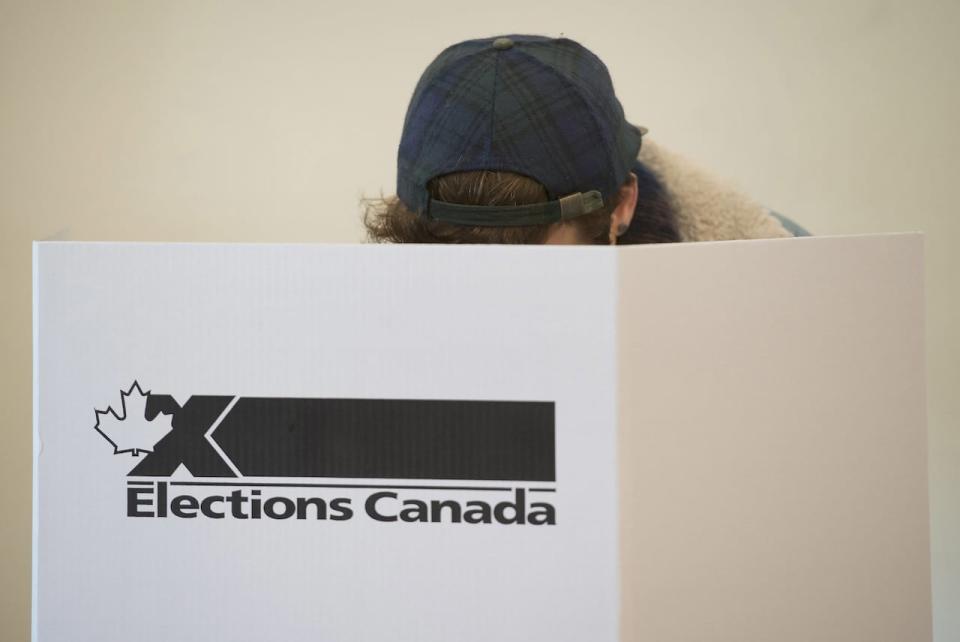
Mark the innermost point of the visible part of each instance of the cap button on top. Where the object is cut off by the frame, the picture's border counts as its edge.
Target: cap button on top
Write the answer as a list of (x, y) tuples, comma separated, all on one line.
[(502, 43)]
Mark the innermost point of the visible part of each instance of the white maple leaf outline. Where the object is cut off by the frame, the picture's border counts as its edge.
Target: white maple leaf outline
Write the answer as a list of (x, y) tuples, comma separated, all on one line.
[(160, 425)]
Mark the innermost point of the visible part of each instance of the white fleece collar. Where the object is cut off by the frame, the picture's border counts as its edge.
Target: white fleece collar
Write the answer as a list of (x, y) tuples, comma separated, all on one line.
[(707, 209)]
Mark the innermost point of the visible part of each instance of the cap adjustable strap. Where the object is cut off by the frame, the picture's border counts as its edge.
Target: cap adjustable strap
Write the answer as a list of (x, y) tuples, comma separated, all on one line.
[(565, 208), (578, 203)]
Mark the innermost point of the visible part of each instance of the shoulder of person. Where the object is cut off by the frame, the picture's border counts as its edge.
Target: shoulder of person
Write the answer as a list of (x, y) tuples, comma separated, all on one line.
[(708, 208)]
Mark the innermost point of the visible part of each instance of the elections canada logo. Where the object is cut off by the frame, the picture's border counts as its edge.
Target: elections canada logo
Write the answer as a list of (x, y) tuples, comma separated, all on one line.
[(405, 461)]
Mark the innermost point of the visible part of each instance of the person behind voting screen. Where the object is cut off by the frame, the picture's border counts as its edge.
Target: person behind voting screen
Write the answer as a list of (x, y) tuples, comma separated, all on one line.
[(521, 139)]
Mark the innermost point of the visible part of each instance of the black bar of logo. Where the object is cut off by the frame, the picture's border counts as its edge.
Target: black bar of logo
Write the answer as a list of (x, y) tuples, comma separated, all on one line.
[(365, 438)]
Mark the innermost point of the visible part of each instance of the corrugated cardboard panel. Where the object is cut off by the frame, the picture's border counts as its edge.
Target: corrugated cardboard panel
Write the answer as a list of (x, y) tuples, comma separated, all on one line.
[(772, 442), (238, 442)]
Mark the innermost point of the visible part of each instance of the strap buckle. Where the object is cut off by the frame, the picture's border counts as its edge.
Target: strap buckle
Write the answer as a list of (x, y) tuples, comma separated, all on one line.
[(579, 203)]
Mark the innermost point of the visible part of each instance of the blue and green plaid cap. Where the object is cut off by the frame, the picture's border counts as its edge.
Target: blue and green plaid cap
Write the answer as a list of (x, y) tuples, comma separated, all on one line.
[(538, 106)]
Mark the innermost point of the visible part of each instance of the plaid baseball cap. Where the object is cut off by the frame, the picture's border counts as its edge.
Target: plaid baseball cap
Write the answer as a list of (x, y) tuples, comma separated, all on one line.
[(537, 106)]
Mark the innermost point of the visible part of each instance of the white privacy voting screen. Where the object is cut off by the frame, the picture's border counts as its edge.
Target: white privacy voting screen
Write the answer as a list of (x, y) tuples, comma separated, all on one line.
[(323, 323), (307, 442)]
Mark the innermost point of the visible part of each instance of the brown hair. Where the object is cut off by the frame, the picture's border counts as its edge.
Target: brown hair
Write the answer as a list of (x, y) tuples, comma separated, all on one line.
[(388, 220)]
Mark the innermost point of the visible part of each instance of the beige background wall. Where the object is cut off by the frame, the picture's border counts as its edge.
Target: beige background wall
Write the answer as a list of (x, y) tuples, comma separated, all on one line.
[(267, 121)]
